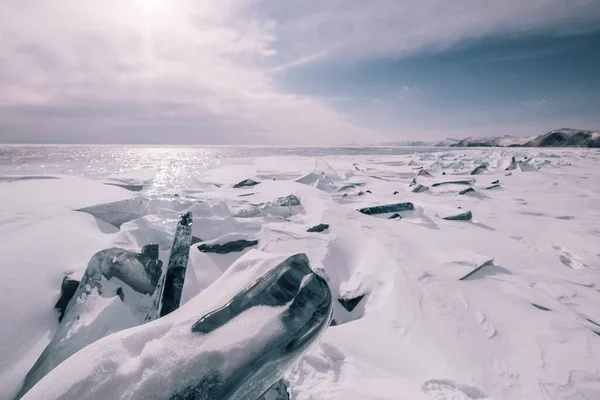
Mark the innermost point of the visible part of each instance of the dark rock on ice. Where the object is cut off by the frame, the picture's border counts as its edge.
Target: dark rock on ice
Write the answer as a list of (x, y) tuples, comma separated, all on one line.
[(443, 173), (467, 190), (196, 240), (420, 189), (395, 216), (396, 192), (460, 217), (68, 288), (540, 307), (178, 260), (493, 187), (388, 208), (495, 182), (361, 193), (368, 191), (229, 247), (479, 170), (424, 173), (318, 228), (413, 182), (246, 194), (462, 182), (245, 183), (509, 174), (350, 304)]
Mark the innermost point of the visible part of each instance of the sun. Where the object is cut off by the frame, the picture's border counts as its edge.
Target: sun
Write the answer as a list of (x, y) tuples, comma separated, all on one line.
[(153, 7)]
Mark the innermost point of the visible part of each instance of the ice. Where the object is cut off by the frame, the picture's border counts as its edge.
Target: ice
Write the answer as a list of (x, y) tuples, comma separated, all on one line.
[(388, 208), (245, 183), (522, 326), (420, 189), (466, 216), (124, 211), (173, 278), (318, 228), (114, 294), (283, 207), (236, 245), (238, 337)]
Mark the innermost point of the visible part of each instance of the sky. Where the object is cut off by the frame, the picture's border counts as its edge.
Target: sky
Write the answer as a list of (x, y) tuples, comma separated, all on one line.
[(295, 72)]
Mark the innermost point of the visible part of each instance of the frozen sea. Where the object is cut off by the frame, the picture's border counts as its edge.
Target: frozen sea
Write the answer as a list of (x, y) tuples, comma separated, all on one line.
[(505, 305)]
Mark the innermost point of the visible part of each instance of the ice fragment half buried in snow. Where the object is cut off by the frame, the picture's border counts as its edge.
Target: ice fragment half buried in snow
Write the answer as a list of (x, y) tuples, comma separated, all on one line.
[(119, 212), (467, 216), (206, 350), (388, 208), (115, 293), (282, 207)]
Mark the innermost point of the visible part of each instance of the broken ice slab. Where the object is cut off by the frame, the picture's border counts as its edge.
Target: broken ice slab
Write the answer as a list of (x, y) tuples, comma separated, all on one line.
[(395, 216), (461, 182), (115, 293), (131, 188), (318, 228), (278, 391), (540, 307), (245, 183), (513, 164), (68, 288), (350, 304), (479, 268), (388, 208), (229, 247), (480, 169), (120, 212), (420, 188), (492, 187), (467, 216), (281, 207), (175, 274), (288, 306), (424, 173), (465, 191), (495, 182)]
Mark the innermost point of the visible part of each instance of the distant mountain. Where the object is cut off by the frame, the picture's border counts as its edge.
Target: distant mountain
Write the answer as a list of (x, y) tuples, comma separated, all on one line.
[(564, 137), (419, 143)]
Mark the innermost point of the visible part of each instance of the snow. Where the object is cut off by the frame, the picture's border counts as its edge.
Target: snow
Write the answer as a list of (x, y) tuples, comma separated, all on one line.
[(420, 332)]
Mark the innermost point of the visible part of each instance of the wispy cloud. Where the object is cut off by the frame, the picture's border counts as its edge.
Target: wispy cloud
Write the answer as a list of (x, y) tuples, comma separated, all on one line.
[(535, 103), (97, 70)]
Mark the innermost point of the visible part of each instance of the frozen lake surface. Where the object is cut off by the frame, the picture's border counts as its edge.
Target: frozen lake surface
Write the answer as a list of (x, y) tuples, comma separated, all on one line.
[(489, 294)]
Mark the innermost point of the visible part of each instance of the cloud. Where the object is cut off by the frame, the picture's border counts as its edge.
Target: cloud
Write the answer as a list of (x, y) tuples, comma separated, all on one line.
[(185, 71), (95, 70), (535, 103)]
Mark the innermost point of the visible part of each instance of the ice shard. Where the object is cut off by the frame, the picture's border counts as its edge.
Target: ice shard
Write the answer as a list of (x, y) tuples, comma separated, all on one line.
[(278, 391), (233, 341), (119, 212), (282, 207), (115, 293), (388, 208), (318, 228), (420, 188), (424, 173), (480, 169), (513, 164), (245, 183), (175, 273), (467, 216), (465, 191), (229, 247), (463, 182)]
